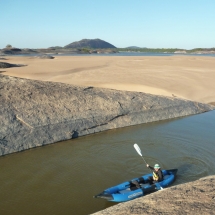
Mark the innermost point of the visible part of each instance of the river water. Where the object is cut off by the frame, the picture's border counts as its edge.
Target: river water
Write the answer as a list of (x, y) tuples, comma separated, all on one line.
[(61, 178), (121, 54)]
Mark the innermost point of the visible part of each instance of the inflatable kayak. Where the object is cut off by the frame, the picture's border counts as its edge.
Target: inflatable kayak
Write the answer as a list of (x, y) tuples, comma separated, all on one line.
[(137, 187)]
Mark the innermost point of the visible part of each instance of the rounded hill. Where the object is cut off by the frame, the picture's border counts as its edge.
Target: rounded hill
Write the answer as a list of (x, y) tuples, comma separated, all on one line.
[(90, 43)]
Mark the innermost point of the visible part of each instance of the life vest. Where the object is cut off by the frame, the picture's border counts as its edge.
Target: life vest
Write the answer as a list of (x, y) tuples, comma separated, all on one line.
[(155, 176)]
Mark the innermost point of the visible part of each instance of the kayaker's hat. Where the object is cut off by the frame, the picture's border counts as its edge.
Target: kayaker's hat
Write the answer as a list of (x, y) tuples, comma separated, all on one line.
[(156, 166)]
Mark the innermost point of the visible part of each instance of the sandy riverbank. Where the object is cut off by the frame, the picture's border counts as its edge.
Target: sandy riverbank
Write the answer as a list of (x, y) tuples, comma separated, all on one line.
[(189, 77)]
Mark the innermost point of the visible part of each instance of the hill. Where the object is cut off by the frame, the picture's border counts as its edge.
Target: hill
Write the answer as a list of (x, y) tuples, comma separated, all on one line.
[(90, 43), (133, 47)]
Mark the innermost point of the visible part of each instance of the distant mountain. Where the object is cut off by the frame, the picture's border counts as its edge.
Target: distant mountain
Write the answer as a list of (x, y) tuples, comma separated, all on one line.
[(55, 47), (90, 43), (135, 47)]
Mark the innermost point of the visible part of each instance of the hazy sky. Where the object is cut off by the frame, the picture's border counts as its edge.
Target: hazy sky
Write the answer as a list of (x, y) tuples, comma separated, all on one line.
[(145, 23)]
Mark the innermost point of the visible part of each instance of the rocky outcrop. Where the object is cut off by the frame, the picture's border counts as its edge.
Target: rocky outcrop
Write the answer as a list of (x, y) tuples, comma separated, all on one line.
[(90, 43), (196, 197), (11, 50), (9, 65), (17, 51), (45, 56), (35, 113)]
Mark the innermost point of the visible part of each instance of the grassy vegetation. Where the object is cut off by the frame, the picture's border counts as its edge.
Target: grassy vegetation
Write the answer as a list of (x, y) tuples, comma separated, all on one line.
[(164, 50)]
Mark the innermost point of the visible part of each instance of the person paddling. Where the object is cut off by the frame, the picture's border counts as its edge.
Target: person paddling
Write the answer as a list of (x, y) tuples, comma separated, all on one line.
[(157, 174)]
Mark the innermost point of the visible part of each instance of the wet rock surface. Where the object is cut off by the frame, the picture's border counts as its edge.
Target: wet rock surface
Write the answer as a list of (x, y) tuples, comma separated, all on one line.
[(196, 197), (35, 113)]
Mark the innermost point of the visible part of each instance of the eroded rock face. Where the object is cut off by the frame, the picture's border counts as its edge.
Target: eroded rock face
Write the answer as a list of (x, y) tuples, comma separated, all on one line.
[(35, 113), (196, 197)]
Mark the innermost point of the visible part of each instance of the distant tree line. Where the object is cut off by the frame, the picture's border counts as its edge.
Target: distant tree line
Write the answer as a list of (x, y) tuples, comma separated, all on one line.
[(8, 46), (200, 50)]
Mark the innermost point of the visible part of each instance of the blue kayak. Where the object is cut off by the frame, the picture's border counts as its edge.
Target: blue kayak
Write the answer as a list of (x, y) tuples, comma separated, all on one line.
[(137, 187)]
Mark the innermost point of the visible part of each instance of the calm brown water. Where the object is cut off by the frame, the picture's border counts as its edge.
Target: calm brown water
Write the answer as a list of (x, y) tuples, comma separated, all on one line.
[(62, 178)]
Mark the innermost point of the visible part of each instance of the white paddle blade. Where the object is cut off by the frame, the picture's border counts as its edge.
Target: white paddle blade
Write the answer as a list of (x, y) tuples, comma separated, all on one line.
[(137, 149)]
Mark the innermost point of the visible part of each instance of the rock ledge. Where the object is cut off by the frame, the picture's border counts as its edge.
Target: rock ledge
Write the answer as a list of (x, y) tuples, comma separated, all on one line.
[(35, 113)]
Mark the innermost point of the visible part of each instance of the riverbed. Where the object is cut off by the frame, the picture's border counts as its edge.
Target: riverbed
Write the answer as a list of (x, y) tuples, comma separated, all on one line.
[(62, 178)]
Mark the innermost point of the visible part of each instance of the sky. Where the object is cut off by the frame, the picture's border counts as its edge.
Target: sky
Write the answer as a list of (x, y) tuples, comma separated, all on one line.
[(183, 24)]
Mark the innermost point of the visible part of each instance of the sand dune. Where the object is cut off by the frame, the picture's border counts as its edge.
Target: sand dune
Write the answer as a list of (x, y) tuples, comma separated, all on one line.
[(189, 77)]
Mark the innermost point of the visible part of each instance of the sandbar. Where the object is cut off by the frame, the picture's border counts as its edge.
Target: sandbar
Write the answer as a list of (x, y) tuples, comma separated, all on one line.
[(186, 77)]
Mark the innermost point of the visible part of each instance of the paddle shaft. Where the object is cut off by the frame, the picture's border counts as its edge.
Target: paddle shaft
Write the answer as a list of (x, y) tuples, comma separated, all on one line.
[(144, 160)]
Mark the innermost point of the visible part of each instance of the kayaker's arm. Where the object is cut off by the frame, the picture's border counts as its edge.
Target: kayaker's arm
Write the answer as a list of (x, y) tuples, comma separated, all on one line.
[(150, 167)]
